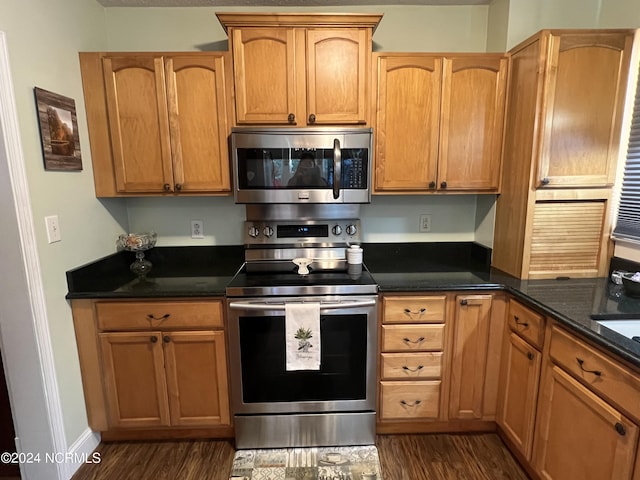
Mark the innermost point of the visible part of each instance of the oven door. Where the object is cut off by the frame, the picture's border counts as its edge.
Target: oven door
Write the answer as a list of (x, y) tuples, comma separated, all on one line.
[(346, 380)]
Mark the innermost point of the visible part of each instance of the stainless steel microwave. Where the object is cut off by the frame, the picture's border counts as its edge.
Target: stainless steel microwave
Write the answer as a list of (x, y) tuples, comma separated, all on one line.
[(302, 165)]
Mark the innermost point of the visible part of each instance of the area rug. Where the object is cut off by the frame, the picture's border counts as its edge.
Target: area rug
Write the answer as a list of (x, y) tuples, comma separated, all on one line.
[(322, 463)]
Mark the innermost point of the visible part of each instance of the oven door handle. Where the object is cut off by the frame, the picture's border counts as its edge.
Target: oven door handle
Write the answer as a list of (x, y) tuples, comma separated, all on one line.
[(263, 306)]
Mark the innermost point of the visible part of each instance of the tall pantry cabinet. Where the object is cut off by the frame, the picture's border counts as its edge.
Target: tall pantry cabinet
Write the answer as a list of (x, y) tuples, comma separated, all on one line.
[(562, 131)]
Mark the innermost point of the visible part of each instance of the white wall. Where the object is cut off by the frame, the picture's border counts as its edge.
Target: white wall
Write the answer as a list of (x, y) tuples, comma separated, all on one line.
[(43, 40)]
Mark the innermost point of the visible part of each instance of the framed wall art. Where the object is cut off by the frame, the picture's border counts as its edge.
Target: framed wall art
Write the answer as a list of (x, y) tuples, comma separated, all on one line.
[(58, 131)]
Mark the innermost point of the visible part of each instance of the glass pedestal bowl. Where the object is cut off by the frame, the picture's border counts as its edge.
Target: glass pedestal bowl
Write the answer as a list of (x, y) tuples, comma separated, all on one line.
[(139, 243)]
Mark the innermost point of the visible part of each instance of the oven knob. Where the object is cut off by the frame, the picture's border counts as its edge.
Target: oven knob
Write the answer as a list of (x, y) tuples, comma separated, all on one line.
[(268, 231), (351, 230), (254, 231), (336, 230)]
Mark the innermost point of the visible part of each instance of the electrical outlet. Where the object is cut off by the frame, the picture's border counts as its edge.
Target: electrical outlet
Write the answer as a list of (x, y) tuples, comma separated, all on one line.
[(197, 229), (53, 228), (425, 223)]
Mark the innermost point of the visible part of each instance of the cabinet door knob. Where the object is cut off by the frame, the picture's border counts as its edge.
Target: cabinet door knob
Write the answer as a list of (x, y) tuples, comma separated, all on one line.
[(166, 187), (178, 186), (530, 355), (620, 429), (291, 118), (544, 181), (154, 339), (312, 118), (443, 184), (166, 339), (463, 302), (432, 184)]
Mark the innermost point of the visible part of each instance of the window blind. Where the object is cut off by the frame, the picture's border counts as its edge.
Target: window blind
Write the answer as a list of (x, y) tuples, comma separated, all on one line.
[(628, 224)]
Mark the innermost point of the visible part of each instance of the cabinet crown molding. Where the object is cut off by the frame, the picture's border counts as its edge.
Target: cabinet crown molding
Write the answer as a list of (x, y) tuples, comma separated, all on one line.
[(302, 20)]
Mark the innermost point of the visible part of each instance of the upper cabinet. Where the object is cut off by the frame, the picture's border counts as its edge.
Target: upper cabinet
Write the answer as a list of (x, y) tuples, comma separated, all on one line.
[(301, 70), (562, 131), (439, 122), (158, 124), (583, 91)]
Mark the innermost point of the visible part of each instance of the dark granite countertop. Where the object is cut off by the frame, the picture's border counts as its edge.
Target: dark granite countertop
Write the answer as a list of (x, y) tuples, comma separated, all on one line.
[(206, 271)]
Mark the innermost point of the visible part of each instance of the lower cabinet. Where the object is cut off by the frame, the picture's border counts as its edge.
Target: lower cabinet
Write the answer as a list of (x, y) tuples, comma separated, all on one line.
[(439, 362), (517, 403), (411, 362), (520, 376), (157, 366), (165, 378), (586, 426), (579, 435)]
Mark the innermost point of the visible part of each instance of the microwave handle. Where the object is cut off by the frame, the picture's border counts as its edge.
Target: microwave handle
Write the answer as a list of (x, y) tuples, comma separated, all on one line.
[(337, 168)]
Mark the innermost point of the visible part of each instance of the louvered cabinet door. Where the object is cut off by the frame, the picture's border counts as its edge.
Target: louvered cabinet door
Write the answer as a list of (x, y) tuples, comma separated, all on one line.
[(568, 239)]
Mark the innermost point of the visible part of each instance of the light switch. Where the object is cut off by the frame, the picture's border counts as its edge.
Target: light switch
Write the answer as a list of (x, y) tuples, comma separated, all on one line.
[(53, 228)]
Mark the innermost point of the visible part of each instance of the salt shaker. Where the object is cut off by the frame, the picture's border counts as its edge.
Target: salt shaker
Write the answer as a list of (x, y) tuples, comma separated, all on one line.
[(354, 255)]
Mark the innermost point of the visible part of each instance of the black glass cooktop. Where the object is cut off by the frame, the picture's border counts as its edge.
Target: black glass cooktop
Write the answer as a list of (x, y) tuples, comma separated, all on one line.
[(355, 280)]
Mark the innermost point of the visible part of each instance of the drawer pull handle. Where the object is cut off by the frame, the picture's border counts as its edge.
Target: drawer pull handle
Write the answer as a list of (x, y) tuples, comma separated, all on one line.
[(581, 363), (151, 316), (518, 322), (410, 404), (418, 341), (413, 370), (408, 312), (620, 429)]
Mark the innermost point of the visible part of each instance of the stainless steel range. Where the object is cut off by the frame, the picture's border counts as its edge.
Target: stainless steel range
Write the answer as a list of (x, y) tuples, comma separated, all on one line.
[(302, 345)]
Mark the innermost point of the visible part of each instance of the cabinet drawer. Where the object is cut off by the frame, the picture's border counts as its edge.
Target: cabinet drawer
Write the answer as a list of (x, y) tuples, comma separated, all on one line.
[(526, 323), (411, 365), (155, 315), (413, 309), (412, 337), (410, 400), (603, 375)]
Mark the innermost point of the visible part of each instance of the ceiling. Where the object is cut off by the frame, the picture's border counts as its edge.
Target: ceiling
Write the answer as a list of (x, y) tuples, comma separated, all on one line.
[(279, 3)]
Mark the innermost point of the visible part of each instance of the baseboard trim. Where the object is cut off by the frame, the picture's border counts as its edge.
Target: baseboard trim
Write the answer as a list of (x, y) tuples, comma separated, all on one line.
[(81, 451)]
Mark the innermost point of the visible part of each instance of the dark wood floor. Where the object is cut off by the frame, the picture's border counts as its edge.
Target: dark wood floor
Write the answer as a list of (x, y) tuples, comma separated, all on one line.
[(402, 457)]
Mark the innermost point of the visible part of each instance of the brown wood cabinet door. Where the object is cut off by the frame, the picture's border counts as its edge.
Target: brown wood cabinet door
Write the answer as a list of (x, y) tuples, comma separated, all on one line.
[(338, 66), (198, 122), (407, 122), (138, 123), (601, 440), (197, 378), (134, 379), (518, 392), (586, 85), (265, 76), (469, 358), (473, 100)]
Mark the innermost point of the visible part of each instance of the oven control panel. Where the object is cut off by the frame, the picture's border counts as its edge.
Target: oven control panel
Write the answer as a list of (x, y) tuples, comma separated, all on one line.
[(301, 232)]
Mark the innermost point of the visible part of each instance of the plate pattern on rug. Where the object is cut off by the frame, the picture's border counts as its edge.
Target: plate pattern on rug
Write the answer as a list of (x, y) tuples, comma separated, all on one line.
[(324, 463)]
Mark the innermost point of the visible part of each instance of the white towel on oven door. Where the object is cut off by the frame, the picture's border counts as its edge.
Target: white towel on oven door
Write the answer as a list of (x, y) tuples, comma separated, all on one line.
[(302, 334)]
